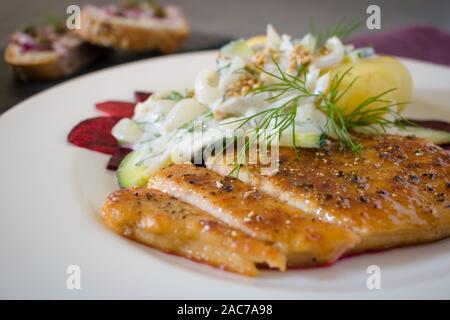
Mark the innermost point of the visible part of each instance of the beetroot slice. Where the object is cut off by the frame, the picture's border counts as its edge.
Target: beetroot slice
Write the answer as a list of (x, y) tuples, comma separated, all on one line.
[(117, 158), (141, 96), (95, 134), (120, 109)]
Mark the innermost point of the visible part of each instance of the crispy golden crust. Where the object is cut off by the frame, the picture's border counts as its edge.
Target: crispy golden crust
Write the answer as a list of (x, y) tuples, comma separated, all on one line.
[(165, 223), (396, 192), (305, 240), (109, 33)]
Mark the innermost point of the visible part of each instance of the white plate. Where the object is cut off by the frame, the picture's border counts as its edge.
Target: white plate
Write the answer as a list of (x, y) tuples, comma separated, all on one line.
[(51, 193)]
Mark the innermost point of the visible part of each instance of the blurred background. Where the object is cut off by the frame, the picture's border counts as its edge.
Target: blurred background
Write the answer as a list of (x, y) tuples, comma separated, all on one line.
[(239, 18), (214, 22)]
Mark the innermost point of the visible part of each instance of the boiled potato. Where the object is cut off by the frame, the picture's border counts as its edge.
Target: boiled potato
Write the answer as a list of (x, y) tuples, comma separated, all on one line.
[(375, 75), (257, 41)]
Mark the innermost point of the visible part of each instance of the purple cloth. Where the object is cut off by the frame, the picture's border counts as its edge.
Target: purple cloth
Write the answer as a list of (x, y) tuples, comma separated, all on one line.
[(417, 42)]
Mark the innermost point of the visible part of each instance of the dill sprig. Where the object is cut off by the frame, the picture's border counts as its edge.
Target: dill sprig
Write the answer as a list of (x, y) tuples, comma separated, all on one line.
[(270, 124), (277, 119), (340, 123), (342, 29)]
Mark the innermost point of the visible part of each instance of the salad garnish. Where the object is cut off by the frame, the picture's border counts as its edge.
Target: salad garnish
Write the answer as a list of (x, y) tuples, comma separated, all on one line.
[(267, 91)]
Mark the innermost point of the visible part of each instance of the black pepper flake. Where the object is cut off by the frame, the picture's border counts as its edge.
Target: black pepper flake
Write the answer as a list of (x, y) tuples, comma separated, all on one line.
[(340, 173), (357, 179), (328, 196), (363, 199), (227, 188), (413, 165), (429, 187), (447, 184), (440, 196), (226, 185), (363, 186), (413, 179), (191, 181), (383, 155), (377, 205), (308, 186), (398, 178), (439, 162), (430, 175)]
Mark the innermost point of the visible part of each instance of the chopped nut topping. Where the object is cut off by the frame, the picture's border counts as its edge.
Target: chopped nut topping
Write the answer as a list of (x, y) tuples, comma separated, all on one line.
[(299, 56), (242, 86), (322, 52)]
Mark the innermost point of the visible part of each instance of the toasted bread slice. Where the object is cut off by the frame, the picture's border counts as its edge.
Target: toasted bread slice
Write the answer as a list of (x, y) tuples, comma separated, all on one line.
[(141, 31), (64, 55), (160, 221)]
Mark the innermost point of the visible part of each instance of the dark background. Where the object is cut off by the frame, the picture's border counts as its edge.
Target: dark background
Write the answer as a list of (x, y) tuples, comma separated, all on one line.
[(214, 22)]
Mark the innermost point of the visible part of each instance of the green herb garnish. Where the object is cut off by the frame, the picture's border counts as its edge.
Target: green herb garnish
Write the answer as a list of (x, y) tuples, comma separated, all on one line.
[(175, 96), (340, 124), (341, 29)]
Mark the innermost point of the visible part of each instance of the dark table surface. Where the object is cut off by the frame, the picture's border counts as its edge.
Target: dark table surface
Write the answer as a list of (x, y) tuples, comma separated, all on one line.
[(12, 90), (214, 22)]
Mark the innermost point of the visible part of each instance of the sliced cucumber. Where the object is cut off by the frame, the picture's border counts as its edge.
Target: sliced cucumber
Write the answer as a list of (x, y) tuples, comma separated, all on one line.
[(305, 137), (130, 174), (134, 173), (361, 53), (431, 135)]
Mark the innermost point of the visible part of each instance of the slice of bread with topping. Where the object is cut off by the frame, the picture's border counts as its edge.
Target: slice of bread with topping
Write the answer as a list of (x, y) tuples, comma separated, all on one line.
[(48, 52), (135, 26)]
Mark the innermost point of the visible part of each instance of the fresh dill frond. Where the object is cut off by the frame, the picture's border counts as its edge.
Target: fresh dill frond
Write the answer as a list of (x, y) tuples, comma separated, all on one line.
[(175, 96), (342, 29), (276, 120), (224, 67), (363, 115)]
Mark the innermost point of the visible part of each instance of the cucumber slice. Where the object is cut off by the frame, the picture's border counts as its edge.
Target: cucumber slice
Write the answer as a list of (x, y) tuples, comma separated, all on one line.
[(133, 173), (431, 135), (130, 174), (305, 137), (362, 53)]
